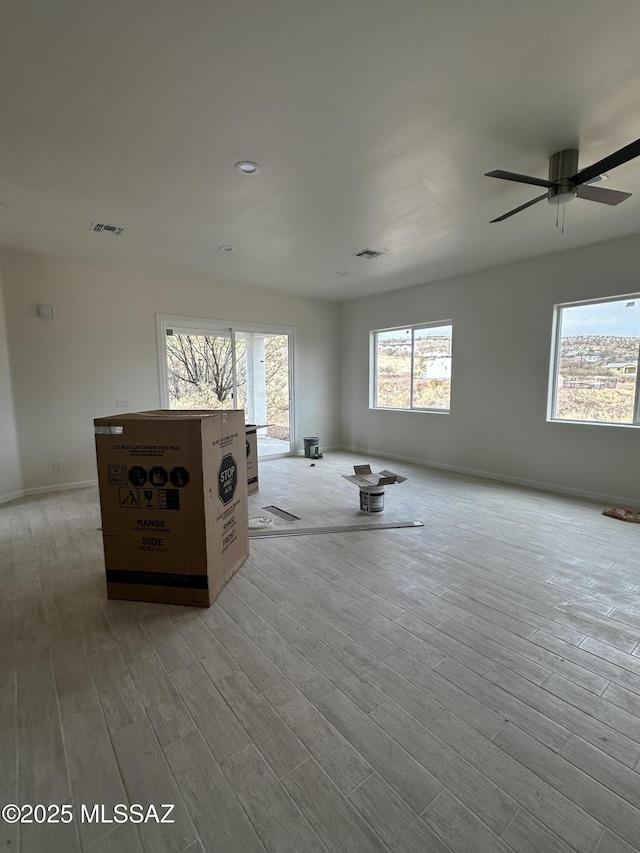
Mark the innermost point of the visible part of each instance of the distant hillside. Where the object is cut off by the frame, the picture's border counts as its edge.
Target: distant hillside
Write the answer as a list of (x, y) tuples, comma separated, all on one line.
[(425, 345), (599, 349)]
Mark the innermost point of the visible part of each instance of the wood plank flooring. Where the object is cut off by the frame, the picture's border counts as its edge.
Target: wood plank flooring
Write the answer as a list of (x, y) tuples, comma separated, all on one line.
[(467, 687)]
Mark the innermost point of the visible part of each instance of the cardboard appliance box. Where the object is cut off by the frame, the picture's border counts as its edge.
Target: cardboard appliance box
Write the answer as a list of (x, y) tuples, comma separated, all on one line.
[(173, 497)]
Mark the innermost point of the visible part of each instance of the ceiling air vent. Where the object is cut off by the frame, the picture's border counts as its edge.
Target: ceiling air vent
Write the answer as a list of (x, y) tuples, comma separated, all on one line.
[(368, 254), (101, 228)]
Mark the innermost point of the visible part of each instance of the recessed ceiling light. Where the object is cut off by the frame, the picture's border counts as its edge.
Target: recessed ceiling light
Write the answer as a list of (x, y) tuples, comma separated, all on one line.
[(342, 272), (246, 167), (227, 248)]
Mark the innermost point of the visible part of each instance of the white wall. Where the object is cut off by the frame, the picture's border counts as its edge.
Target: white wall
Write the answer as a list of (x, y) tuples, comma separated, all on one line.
[(10, 476), (501, 348), (101, 346)]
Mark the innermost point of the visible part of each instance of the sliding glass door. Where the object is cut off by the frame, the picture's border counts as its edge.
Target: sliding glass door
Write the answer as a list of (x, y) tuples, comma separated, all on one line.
[(204, 365), (264, 382)]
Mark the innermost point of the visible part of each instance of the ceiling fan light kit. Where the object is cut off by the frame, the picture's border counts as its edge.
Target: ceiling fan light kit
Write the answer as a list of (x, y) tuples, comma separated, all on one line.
[(565, 181)]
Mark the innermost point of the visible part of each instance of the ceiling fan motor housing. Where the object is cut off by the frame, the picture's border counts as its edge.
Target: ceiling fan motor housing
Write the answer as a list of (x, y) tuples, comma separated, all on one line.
[(562, 165), (566, 183)]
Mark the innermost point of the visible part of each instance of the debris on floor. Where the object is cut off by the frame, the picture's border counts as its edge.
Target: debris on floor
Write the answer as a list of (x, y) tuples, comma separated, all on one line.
[(259, 522), (623, 513)]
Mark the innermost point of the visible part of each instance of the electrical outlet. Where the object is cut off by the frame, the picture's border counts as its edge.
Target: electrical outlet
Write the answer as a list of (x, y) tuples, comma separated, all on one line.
[(123, 404), (57, 464), (500, 456)]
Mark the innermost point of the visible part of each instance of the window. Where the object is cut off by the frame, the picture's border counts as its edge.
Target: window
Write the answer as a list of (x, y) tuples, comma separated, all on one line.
[(207, 364), (412, 367), (595, 364)]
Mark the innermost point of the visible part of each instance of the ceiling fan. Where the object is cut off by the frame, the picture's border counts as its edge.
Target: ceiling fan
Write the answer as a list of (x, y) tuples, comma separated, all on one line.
[(566, 182)]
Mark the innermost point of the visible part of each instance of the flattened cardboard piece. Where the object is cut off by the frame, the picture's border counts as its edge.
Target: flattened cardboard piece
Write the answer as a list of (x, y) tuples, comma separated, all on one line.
[(252, 456), (173, 498), (365, 479)]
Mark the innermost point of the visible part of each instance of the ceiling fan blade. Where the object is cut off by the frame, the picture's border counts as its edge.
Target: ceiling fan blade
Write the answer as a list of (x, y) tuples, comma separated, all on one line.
[(521, 179), (616, 159), (601, 195), (522, 207)]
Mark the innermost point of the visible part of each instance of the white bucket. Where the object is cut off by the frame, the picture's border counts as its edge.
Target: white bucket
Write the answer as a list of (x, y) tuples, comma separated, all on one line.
[(372, 500)]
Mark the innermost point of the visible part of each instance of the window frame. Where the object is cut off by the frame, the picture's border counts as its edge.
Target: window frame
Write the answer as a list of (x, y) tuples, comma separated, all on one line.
[(373, 362), (554, 365)]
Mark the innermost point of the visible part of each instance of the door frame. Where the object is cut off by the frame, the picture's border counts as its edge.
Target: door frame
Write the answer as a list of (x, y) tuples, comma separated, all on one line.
[(205, 325)]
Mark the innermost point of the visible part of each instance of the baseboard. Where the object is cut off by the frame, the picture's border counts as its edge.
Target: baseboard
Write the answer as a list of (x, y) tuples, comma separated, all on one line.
[(61, 487), (12, 496), (536, 485)]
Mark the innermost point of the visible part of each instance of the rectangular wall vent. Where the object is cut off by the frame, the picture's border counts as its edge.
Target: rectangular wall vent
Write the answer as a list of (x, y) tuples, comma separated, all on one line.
[(102, 228), (368, 254)]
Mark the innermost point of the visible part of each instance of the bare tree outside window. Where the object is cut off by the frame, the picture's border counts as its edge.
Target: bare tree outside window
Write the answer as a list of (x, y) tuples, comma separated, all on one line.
[(276, 371), (200, 371), (200, 375)]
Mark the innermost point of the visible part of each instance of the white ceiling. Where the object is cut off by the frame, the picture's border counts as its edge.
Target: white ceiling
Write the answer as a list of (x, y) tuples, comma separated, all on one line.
[(374, 122)]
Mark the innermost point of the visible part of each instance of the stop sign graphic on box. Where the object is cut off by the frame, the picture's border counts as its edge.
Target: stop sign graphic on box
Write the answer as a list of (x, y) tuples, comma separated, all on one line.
[(227, 478)]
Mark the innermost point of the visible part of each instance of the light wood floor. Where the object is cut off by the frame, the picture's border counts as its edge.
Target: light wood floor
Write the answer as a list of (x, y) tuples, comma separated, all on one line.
[(472, 686)]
